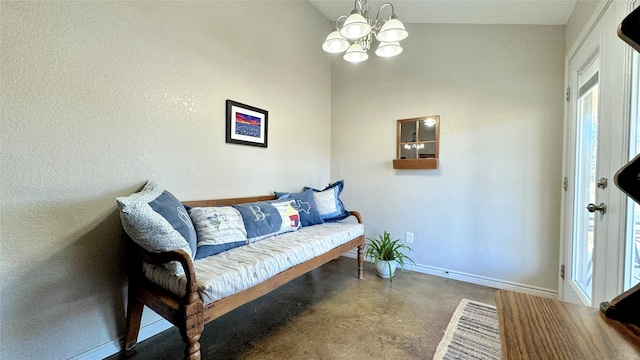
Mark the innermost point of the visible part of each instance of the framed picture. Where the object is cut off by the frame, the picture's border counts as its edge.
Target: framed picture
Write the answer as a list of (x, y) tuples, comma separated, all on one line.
[(246, 124)]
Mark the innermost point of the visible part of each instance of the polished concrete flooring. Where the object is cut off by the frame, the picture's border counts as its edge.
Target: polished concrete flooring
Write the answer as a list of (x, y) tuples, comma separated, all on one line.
[(330, 314)]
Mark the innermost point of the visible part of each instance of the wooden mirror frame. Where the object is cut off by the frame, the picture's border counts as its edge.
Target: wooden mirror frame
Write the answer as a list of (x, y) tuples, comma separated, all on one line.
[(417, 163)]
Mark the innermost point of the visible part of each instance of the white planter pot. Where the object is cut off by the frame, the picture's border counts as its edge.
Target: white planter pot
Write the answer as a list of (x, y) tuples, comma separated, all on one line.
[(382, 268)]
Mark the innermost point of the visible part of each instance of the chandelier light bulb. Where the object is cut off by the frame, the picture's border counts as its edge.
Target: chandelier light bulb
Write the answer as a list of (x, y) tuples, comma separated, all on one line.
[(355, 27), (392, 30), (386, 49), (335, 43), (355, 54)]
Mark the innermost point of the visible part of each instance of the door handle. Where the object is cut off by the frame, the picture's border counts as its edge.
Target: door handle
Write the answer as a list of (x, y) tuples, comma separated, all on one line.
[(593, 208)]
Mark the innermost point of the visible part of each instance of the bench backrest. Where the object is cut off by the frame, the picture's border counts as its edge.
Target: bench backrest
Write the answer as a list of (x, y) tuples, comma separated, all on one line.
[(226, 202)]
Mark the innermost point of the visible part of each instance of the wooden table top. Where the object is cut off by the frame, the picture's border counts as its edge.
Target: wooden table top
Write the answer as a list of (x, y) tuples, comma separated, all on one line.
[(533, 327)]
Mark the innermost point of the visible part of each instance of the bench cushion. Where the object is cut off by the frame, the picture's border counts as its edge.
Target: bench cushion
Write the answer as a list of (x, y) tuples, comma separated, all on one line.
[(238, 269)]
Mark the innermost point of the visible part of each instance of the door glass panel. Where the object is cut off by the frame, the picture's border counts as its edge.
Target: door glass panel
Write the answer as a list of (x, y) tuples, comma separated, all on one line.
[(586, 166), (632, 266), (634, 240)]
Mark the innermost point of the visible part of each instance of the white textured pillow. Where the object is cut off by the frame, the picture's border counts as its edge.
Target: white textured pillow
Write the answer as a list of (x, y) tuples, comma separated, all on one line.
[(328, 201)]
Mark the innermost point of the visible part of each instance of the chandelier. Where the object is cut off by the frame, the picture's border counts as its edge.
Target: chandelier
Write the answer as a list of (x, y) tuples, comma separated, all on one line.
[(358, 30)]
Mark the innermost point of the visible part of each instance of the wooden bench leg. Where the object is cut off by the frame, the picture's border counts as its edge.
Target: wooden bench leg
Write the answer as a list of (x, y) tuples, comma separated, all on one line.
[(192, 329), (192, 351), (361, 261), (134, 315)]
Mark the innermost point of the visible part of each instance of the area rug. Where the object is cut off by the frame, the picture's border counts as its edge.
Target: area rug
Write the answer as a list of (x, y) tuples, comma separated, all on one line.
[(472, 333)]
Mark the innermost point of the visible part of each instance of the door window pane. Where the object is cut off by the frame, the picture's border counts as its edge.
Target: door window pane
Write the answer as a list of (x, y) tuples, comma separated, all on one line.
[(586, 166)]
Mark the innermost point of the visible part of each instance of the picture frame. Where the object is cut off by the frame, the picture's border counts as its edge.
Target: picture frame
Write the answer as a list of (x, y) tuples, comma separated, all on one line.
[(246, 125)]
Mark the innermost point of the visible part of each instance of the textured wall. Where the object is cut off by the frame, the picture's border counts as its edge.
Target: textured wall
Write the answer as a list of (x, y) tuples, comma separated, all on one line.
[(98, 98), (492, 209)]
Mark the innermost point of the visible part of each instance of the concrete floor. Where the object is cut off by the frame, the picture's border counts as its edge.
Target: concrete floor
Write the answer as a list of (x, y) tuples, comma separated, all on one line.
[(330, 314)]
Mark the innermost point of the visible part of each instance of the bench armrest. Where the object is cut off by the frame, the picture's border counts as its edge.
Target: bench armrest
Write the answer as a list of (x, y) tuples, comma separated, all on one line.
[(356, 215), (179, 255)]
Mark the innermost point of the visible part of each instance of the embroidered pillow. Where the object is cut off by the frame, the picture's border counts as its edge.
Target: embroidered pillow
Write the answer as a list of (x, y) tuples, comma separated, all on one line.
[(289, 215), (219, 229), (305, 203), (328, 201), (268, 218), (157, 221)]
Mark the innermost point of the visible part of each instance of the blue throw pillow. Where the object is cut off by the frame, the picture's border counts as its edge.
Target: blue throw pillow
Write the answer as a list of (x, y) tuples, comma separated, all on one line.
[(328, 201), (306, 206), (260, 218)]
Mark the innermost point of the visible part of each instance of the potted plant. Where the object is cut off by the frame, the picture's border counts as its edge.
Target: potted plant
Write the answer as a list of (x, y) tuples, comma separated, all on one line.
[(386, 254)]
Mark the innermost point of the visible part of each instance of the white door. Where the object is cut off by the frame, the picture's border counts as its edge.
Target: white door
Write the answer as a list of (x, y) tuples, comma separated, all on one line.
[(590, 253)]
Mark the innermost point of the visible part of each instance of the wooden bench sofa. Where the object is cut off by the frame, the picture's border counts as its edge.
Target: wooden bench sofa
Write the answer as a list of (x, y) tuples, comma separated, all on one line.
[(189, 312)]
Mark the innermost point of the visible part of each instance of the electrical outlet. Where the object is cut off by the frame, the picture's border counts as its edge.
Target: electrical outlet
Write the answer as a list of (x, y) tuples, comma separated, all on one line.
[(408, 237)]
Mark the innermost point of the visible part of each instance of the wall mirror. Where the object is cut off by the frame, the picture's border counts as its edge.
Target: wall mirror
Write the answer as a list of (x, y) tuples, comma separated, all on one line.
[(417, 144)]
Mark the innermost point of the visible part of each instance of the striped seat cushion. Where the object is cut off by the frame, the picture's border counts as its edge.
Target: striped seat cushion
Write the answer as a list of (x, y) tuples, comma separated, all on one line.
[(238, 269)]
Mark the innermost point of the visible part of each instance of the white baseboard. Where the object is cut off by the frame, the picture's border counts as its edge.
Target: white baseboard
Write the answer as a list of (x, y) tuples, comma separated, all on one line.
[(115, 346), (475, 279)]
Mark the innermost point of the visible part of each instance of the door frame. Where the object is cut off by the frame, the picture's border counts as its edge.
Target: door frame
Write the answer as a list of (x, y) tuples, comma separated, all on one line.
[(610, 249), (627, 113)]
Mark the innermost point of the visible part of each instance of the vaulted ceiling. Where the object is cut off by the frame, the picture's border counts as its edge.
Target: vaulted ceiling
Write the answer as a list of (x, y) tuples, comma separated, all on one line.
[(527, 12)]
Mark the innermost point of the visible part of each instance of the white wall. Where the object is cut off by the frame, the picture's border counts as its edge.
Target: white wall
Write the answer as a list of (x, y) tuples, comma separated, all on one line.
[(99, 97), (492, 209)]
